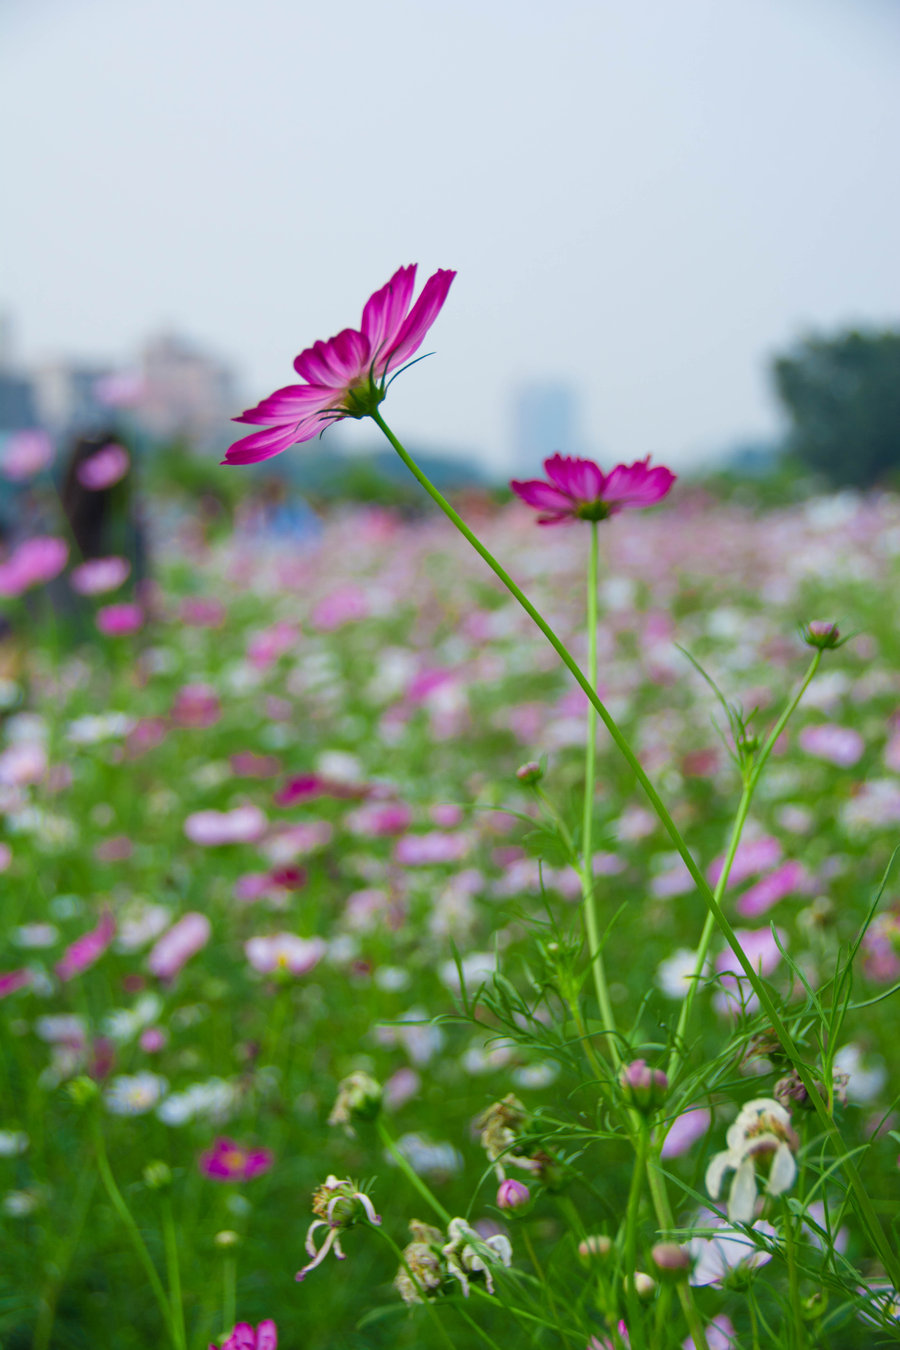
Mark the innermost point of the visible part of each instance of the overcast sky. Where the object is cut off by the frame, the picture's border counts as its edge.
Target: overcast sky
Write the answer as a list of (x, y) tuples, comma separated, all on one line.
[(643, 197)]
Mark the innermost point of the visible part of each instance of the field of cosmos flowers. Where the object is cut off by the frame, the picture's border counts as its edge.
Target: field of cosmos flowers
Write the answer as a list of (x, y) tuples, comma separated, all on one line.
[(336, 1012)]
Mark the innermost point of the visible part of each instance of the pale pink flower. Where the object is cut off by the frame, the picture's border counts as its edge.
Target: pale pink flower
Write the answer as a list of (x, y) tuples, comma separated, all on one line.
[(578, 489), (120, 620), (345, 605), (196, 705), (182, 941), (33, 563), (104, 468), (6, 856), (427, 850), (98, 575), (842, 746), (121, 389), (685, 1130), (200, 612), (720, 1335), (761, 950), (729, 1248), (23, 763), (271, 643), (13, 980), (26, 454), (789, 877), (285, 951), (377, 819), (753, 855), (87, 949), (241, 825), (345, 376)]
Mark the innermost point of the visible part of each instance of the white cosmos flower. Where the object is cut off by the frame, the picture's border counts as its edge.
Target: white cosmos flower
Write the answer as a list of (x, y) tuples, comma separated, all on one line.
[(760, 1141), (134, 1094)]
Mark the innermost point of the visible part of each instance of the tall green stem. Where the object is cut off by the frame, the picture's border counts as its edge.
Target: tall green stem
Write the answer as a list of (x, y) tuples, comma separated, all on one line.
[(410, 1174), (173, 1271), (635, 1325), (866, 1209), (588, 886)]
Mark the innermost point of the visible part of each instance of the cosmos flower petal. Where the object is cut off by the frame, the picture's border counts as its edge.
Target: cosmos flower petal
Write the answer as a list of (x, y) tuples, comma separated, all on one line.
[(635, 485), (716, 1170), (782, 1172), (386, 310), (742, 1196), (264, 444), (242, 1338), (535, 492), (267, 1336), (418, 321), (290, 404), (580, 478)]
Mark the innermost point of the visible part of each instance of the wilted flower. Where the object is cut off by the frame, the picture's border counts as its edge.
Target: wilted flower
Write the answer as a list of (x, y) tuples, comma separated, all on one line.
[(579, 489), (265, 1337), (501, 1125), (337, 1205), (229, 1161), (345, 376), (358, 1098), (421, 1273), (467, 1253), (760, 1142)]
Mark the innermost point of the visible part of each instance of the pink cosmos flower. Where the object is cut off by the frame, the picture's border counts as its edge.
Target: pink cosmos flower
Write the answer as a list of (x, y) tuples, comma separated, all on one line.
[(26, 453), (579, 489), (265, 1337), (104, 468), (344, 605), (345, 376), (196, 705), (119, 620), (241, 825), (87, 949), (285, 951), (790, 876), (228, 1161), (199, 612), (838, 745), (13, 980), (753, 855), (98, 575), (685, 1130), (430, 849), (178, 945), (33, 563)]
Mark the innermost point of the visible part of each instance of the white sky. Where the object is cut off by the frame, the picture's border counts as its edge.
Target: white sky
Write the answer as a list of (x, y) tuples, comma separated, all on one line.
[(645, 197)]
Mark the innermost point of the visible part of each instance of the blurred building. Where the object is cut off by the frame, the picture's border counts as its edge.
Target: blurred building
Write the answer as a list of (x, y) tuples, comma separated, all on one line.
[(66, 397), (186, 392), (545, 419), (18, 410)]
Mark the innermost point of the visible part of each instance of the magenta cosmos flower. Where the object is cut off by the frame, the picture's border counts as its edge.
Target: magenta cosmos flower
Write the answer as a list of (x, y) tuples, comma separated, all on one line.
[(265, 1337), (229, 1161), (578, 489), (345, 376)]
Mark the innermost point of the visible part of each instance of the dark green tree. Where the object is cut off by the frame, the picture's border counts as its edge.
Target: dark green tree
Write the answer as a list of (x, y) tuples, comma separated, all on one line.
[(842, 395)]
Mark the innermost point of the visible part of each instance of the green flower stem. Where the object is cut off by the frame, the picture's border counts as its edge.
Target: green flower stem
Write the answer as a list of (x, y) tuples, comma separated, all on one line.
[(539, 1272), (635, 1324), (118, 1203), (588, 885), (660, 1196), (798, 1339), (737, 829), (50, 1295), (866, 1210), (229, 1291), (427, 1302), (412, 1177), (173, 1271)]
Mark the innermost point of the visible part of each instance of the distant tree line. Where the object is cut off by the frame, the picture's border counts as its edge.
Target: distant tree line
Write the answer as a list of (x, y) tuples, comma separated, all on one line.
[(842, 396)]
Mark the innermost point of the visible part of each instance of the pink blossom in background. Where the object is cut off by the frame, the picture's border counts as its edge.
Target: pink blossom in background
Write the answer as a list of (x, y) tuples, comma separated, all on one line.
[(345, 605), (229, 1161), (198, 611), (881, 948), (428, 682), (116, 849), (104, 468), (246, 764), (25, 454), (892, 752), (6, 856), (98, 575), (120, 620), (153, 1039), (578, 489), (183, 940), (285, 951), (23, 763), (379, 819), (266, 647), (307, 786), (720, 1335), (265, 1337), (122, 389), (33, 563), (761, 950), (196, 705), (241, 825), (288, 842), (789, 877), (13, 980), (87, 949), (447, 815), (425, 850), (345, 375), (253, 886), (145, 735), (400, 1088), (753, 855), (685, 1130), (836, 745)]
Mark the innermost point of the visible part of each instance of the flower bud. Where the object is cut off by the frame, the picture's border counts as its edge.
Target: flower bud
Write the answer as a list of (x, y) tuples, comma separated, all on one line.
[(226, 1239), (82, 1090), (644, 1284), (596, 1247), (643, 1087), (821, 634), (671, 1260), (359, 1098), (530, 773), (158, 1176), (512, 1194)]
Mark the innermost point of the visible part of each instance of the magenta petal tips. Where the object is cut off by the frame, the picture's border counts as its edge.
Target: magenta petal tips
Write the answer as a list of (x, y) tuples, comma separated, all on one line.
[(578, 489), (347, 375)]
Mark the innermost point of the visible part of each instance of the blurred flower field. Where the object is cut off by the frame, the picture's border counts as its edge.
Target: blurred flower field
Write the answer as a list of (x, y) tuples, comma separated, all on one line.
[(275, 836)]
